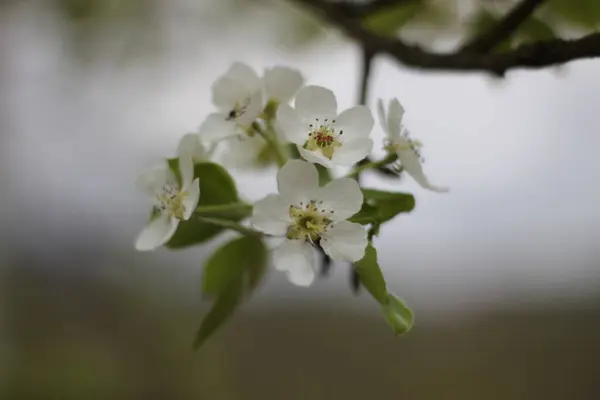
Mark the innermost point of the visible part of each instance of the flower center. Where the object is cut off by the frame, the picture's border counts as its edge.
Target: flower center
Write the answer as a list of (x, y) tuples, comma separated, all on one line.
[(322, 137), (413, 144), (170, 201), (239, 109), (309, 223)]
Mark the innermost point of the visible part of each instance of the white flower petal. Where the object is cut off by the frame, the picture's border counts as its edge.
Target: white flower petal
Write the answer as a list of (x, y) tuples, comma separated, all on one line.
[(186, 169), (190, 145), (243, 151), (271, 215), (245, 75), (316, 101), (382, 117), (343, 196), (282, 83), (345, 241), (315, 157), (352, 151), (356, 122), (412, 165), (156, 233), (215, 127), (191, 201), (394, 118), (153, 180), (290, 124), (298, 259), (228, 92), (297, 180), (253, 109)]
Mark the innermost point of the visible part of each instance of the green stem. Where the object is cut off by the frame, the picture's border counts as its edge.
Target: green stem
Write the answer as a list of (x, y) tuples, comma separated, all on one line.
[(390, 158), (273, 141), (230, 225), (244, 207)]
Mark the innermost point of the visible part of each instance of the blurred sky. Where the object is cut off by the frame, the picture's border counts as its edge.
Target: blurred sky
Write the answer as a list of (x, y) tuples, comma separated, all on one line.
[(521, 221)]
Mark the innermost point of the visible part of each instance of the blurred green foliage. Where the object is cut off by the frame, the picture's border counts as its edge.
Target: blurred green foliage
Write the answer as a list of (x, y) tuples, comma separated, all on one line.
[(135, 27)]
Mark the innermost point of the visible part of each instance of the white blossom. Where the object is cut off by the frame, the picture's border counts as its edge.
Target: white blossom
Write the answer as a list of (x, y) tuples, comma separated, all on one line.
[(173, 202), (307, 215), (282, 83), (190, 145), (321, 135), (238, 94), (406, 148)]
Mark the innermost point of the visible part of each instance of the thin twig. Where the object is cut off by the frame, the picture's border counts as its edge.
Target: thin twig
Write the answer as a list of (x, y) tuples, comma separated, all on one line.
[(504, 29), (534, 55)]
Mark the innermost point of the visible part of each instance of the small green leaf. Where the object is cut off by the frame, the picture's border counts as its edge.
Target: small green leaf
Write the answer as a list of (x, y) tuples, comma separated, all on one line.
[(245, 257), (371, 276), (228, 300), (233, 271), (577, 13), (391, 19), (398, 315), (216, 188), (380, 206), (534, 29)]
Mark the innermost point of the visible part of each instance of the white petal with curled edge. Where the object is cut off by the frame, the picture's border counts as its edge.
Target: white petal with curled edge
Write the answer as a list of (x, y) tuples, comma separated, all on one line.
[(282, 83), (228, 92), (156, 233), (153, 180), (186, 169), (343, 196), (316, 102), (290, 125), (191, 145), (297, 258), (216, 127), (352, 151), (297, 180), (271, 215), (244, 74), (356, 123), (191, 201), (315, 157), (345, 241), (411, 164), (382, 117), (394, 117)]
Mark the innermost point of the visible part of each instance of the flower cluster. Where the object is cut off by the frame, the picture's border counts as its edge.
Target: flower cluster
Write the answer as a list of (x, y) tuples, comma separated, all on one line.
[(253, 115)]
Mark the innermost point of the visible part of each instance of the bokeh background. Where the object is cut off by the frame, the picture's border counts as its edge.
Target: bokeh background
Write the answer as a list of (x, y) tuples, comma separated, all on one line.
[(503, 272)]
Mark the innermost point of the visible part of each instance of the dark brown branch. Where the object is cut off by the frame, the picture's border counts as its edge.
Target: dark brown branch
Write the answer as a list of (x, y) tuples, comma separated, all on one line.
[(353, 9), (367, 61), (535, 55), (505, 27)]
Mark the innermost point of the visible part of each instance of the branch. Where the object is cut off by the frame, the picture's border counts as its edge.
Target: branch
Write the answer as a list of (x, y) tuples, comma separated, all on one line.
[(354, 9), (505, 27), (535, 55)]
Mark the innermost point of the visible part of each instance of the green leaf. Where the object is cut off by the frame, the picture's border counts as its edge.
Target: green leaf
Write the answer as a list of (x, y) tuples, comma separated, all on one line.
[(371, 276), (391, 19), (398, 315), (577, 13), (245, 257), (534, 29), (481, 22), (233, 271), (380, 206), (224, 306), (216, 188)]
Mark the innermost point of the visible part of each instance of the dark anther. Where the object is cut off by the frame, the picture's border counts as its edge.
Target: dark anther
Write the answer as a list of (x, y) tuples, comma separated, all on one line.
[(354, 281)]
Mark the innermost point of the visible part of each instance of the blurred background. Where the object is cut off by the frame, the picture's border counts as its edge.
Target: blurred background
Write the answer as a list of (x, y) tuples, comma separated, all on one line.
[(503, 272)]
